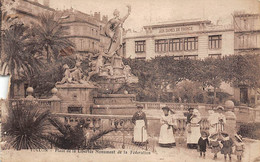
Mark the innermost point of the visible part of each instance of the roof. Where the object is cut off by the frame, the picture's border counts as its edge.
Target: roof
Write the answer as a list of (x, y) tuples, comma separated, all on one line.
[(178, 23), (39, 5)]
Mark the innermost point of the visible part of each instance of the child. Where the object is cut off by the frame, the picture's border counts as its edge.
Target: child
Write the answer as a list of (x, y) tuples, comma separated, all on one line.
[(202, 143), (227, 143), (214, 143), (239, 147)]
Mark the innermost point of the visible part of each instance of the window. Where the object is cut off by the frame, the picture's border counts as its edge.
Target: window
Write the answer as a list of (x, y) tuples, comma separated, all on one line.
[(215, 55), (161, 45), (175, 44), (139, 46), (215, 41), (190, 43), (124, 49), (75, 110)]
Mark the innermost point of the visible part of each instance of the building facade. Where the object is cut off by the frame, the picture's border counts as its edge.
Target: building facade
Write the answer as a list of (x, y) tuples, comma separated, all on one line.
[(195, 39), (247, 41), (247, 33), (28, 11), (84, 30)]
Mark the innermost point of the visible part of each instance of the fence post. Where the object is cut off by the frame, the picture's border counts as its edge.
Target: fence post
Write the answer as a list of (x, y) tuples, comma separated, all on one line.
[(257, 114), (55, 101), (230, 126)]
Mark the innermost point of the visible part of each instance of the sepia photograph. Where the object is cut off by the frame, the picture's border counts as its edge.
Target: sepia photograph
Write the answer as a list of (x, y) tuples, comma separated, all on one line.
[(130, 80)]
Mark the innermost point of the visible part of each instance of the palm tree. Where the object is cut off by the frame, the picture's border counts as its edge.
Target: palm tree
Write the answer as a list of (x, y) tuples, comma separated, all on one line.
[(26, 127), (50, 37), (69, 137), (18, 59)]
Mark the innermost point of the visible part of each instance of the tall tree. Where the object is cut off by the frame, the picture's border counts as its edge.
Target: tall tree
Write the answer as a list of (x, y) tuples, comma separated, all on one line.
[(17, 59), (50, 37)]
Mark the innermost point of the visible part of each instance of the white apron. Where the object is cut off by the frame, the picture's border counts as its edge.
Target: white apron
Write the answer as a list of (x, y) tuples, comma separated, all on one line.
[(194, 135), (215, 125), (166, 135), (140, 134)]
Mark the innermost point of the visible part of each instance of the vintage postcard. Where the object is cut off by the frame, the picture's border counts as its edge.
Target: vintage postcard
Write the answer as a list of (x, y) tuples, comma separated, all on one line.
[(130, 80)]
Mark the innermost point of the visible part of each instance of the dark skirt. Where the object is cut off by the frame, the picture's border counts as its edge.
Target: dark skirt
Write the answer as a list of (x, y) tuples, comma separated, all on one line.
[(226, 150)]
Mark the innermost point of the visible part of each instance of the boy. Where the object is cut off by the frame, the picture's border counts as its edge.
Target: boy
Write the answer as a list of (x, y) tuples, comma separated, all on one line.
[(202, 143)]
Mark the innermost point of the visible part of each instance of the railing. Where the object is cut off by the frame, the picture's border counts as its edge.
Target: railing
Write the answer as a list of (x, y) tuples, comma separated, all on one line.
[(124, 125), (176, 106)]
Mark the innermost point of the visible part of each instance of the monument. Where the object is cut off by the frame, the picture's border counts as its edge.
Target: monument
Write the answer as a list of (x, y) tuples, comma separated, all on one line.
[(75, 92), (107, 75)]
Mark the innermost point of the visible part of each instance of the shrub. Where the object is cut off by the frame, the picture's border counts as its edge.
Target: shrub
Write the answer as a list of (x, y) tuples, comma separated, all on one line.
[(250, 130), (74, 137), (25, 127)]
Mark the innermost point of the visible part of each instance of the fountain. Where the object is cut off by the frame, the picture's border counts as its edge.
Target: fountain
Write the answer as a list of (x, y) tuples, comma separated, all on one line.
[(110, 76)]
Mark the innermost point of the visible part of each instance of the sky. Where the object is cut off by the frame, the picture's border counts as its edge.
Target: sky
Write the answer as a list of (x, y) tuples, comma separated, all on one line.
[(145, 12)]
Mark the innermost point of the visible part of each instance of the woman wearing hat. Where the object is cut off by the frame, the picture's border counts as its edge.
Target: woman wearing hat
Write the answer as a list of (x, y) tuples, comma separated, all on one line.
[(166, 138), (193, 130), (140, 126), (217, 120)]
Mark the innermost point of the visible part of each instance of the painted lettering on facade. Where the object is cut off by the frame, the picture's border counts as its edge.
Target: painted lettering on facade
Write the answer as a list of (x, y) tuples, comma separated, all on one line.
[(176, 29)]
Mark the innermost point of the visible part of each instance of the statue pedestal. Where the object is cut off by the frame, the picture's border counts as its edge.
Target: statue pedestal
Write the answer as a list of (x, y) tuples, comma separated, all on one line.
[(114, 104), (76, 98)]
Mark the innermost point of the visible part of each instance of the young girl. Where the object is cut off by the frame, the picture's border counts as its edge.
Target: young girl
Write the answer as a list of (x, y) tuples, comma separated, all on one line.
[(239, 147), (202, 143), (227, 143), (214, 143)]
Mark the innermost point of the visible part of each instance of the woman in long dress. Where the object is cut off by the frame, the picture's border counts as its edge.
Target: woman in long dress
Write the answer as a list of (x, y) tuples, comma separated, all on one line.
[(217, 120), (140, 126), (193, 130), (166, 138)]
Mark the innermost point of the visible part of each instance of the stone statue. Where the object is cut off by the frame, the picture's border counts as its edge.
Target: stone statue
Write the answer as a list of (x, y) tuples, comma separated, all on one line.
[(66, 76), (107, 64), (73, 76), (114, 30)]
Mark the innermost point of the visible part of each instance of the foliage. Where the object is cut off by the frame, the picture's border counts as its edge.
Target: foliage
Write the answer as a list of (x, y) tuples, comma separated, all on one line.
[(18, 58), (74, 137), (158, 76), (45, 79), (250, 130), (26, 126), (190, 91), (50, 38)]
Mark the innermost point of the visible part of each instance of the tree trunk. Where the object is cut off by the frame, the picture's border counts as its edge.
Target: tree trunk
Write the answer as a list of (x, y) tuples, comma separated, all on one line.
[(215, 95), (11, 92), (47, 51), (1, 29)]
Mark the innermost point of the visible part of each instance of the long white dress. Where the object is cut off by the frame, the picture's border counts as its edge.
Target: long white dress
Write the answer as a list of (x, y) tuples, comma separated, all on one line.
[(194, 134), (166, 135), (215, 122)]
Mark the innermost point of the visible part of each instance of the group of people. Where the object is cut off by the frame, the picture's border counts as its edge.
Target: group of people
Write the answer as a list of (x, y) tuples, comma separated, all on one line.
[(215, 138)]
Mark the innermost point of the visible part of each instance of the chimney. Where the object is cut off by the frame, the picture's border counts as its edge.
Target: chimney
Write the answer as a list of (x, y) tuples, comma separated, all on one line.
[(105, 19), (97, 16), (46, 3)]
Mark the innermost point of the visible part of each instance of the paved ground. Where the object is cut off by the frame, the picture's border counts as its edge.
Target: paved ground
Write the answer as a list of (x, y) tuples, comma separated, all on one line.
[(177, 154)]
